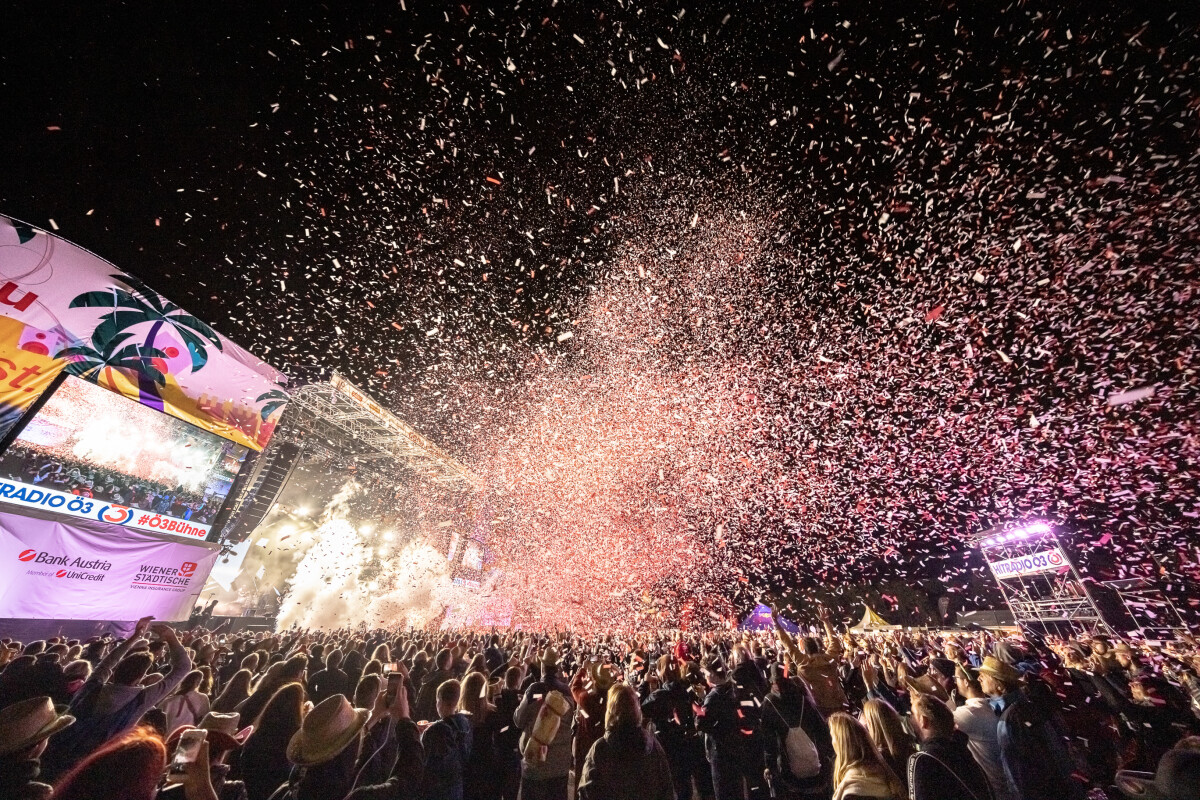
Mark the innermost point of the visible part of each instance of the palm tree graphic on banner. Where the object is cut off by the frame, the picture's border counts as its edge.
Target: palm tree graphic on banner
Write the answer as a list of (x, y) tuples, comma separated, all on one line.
[(276, 400), (109, 349)]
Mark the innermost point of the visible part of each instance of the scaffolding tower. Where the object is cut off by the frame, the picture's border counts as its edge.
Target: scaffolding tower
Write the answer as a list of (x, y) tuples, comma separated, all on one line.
[(1037, 578)]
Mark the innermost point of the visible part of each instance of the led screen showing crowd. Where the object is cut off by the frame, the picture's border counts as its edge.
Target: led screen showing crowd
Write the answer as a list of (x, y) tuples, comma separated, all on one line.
[(92, 442)]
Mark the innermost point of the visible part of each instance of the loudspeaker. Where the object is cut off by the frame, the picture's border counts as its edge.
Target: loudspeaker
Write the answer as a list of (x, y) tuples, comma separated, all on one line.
[(271, 474)]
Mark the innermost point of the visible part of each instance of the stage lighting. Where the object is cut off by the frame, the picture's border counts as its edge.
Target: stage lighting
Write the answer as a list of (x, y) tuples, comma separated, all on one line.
[(1033, 529)]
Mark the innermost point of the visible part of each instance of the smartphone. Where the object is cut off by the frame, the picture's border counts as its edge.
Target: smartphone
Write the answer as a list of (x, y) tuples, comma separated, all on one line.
[(188, 749), (395, 683), (390, 667)]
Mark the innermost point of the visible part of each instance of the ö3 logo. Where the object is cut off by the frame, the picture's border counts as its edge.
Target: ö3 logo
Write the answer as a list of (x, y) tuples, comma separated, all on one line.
[(119, 515)]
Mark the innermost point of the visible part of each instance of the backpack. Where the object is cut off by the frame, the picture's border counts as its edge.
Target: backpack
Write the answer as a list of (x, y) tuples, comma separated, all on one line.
[(803, 760)]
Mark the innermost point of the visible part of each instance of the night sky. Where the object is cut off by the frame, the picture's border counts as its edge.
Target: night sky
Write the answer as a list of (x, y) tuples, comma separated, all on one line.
[(794, 289)]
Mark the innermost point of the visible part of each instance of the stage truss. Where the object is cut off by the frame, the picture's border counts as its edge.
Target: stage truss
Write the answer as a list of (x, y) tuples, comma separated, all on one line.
[(352, 423), (1038, 579), (1154, 615), (336, 421)]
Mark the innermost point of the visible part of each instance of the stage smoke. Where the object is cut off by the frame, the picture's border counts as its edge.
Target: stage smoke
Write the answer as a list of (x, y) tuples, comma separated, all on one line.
[(349, 575)]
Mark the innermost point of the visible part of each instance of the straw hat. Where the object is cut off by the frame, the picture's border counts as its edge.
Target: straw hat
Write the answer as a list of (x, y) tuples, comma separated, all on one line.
[(223, 733), (1005, 673), (24, 724), (326, 731)]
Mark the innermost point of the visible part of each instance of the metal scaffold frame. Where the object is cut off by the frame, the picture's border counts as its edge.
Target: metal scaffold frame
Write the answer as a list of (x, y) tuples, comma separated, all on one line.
[(373, 431), (1038, 579)]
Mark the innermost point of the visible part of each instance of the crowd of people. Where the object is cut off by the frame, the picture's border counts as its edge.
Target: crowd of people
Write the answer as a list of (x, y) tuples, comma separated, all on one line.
[(44, 469), (361, 714)]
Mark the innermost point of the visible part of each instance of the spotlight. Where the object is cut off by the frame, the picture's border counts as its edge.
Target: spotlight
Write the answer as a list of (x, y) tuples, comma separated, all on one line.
[(1032, 529)]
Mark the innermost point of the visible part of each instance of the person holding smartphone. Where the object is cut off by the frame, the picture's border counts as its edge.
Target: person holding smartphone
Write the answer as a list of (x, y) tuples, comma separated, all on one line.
[(408, 767)]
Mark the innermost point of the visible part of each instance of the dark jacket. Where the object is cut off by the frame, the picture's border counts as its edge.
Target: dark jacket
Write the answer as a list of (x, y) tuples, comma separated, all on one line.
[(719, 721), (626, 764), (588, 722), (480, 775), (263, 765), (327, 683), (1156, 727), (670, 709), (508, 733), (408, 769), (751, 689), (447, 745), (944, 769), (378, 754), (1034, 756), (332, 779)]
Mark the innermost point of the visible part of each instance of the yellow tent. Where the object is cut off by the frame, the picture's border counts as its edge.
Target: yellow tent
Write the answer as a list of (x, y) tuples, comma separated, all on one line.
[(872, 622)]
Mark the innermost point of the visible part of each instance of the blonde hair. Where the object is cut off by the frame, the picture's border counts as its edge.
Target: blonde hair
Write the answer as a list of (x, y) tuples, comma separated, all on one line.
[(887, 731), (853, 748), (623, 708), (474, 696)]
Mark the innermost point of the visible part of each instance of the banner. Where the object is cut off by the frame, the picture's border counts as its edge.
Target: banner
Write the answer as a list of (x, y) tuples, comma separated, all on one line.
[(26, 368), (26, 496), (90, 570), (67, 308), (1052, 560)]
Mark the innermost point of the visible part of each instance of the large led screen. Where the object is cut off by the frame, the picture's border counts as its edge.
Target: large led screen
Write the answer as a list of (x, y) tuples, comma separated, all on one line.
[(96, 450)]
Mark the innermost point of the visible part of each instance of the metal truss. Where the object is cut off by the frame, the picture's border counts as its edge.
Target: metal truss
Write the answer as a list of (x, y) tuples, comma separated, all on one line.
[(343, 413), (1147, 605), (1048, 598)]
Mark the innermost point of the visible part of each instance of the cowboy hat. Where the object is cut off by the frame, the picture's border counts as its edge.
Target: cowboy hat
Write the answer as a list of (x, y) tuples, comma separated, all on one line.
[(327, 729), (28, 722), (223, 733), (1177, 778), (925, 684), (1005, 673)]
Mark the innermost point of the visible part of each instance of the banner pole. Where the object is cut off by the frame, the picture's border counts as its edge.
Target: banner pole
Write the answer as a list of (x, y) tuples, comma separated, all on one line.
[(31, 412)]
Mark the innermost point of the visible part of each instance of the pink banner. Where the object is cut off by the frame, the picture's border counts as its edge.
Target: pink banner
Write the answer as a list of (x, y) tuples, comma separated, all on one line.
[(68, 308), (90, 570)]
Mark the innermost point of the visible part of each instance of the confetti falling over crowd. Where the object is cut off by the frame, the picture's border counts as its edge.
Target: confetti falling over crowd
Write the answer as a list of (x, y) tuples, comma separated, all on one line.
[(722, 301)]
